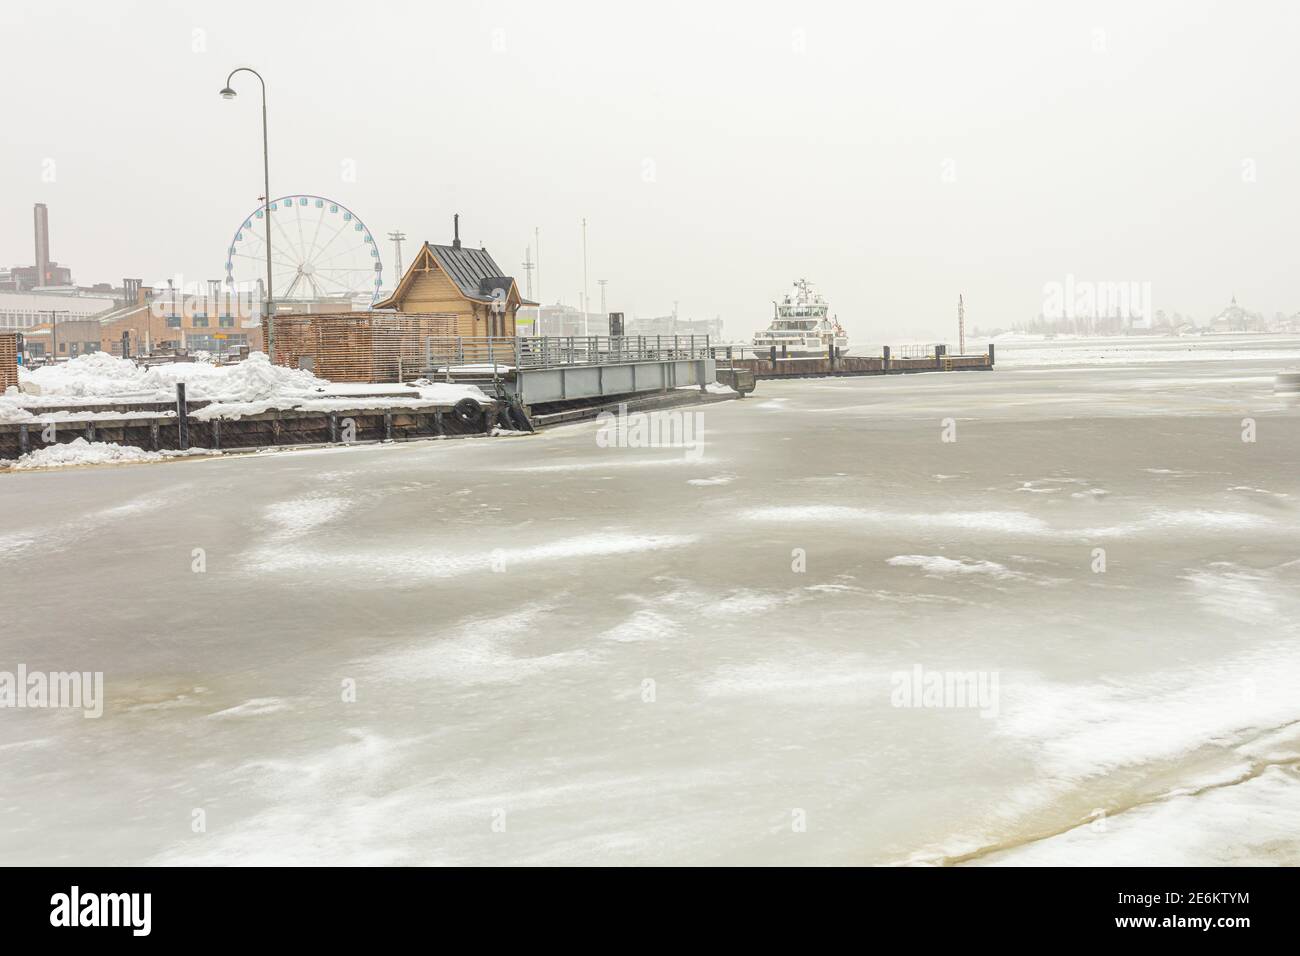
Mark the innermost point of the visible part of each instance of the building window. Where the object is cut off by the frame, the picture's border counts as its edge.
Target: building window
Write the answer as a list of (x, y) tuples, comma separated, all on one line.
[(200, 322), (173, 321), (226, 321)]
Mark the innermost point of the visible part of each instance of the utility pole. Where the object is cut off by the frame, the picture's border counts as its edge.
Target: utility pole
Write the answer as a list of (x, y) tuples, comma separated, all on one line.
[(528, 278), (537, 248), (54, 326), (961, 326), (586, 300), (398, 238)]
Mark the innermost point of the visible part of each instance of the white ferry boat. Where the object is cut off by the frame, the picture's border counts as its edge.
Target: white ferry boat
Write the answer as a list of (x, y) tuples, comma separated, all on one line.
[(802, 326)]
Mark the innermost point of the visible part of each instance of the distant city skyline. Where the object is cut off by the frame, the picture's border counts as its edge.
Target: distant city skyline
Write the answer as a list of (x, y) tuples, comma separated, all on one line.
[(716, 152)]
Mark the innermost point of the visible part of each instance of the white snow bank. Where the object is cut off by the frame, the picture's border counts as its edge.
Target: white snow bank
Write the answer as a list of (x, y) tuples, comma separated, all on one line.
[(250, 387), (100, 375), (937, 565), (82, 452), (11, 412), (328, 401), (713, 388)]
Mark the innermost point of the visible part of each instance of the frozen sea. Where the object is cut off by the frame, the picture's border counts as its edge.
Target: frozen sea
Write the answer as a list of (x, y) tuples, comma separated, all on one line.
[(568, 653)]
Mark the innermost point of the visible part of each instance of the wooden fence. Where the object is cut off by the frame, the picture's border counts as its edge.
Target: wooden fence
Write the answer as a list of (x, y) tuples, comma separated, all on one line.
[(363, 347), (8, 360)]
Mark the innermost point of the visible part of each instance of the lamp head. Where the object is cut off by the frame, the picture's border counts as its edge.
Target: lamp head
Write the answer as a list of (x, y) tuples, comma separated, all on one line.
[(227, 94)]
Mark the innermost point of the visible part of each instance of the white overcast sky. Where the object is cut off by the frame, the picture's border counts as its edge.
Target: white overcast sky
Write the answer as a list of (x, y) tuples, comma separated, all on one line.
[(1100, 139)]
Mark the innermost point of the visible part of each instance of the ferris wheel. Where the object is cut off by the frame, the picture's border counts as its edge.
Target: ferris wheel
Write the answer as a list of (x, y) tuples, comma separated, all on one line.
[(319, 249)]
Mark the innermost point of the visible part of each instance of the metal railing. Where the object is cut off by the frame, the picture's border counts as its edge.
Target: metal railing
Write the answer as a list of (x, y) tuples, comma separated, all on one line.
[(913, 351), (497, 354)]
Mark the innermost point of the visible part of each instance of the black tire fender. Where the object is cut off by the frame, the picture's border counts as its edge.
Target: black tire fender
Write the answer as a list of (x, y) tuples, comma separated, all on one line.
[(468, 412)]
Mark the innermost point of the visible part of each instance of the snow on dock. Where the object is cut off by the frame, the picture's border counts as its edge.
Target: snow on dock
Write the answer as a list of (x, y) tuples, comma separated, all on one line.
[(99, 399)]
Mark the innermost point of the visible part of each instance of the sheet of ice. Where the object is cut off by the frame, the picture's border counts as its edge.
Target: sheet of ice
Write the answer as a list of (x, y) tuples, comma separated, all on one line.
[(408, 640), (1026, 352)]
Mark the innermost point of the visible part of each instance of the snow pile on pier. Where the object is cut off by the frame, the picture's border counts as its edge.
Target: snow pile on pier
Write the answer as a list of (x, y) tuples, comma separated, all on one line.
[(82, 452), (12, 412), (249, 387), (100, 376)]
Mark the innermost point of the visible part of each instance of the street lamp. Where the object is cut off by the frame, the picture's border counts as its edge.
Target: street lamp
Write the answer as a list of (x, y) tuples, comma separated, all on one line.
[(228, 93)]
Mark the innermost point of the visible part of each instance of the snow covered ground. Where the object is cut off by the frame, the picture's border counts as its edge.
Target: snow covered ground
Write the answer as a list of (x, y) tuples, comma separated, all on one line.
[(82, 452), (549, 651), (1023, 352), (246, 388)]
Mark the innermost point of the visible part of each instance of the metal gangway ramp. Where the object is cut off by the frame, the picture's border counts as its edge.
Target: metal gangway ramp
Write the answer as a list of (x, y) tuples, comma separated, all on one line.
[(533, 370)]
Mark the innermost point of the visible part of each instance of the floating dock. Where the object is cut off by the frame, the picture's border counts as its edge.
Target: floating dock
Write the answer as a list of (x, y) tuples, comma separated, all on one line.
[(774, 365)]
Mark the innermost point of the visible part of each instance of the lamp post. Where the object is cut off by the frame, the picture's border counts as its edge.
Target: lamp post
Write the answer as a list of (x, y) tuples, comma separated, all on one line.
[(228, 93)]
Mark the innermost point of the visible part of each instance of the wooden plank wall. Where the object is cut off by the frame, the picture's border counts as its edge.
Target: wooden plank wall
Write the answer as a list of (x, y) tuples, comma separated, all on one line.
[(8, 360), (359, 347)]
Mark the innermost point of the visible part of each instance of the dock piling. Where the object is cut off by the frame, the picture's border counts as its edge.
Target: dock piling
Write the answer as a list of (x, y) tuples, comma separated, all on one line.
[(182, 418)]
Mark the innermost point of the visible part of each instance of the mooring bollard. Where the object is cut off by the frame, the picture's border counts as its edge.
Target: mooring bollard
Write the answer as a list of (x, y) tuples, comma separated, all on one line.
[(182, 418)]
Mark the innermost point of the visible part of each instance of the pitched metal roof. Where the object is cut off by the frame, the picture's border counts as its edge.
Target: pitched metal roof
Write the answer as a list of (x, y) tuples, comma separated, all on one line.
[(474, 271), (471, 270)]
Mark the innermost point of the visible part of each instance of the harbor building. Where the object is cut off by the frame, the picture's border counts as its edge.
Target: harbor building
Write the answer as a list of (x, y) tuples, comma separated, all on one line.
[(464, 283)]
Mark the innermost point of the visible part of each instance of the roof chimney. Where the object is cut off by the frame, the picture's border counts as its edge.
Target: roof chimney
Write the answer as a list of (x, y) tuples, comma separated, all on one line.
[(455, 242)]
